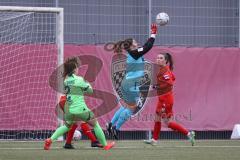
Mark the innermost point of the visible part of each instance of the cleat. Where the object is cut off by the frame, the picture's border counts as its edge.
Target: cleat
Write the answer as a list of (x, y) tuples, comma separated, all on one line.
[(96, 144), (68, 146), (191, 137), (47, 144), (109, 146), (109, 128), (152, 141), (115, 132)]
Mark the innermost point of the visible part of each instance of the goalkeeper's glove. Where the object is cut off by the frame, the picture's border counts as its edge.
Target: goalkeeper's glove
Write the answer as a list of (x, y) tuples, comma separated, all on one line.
[(153, 30)]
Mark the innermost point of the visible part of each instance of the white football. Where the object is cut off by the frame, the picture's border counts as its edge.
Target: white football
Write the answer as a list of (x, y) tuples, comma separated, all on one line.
[(77, 135), (162, 18)]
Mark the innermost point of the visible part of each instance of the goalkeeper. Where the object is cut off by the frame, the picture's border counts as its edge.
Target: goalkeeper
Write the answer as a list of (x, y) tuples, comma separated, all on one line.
[(130, 84), (75, 108)]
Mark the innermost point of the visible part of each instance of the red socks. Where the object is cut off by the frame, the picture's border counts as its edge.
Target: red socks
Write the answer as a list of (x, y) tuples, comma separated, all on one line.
[(156, 131), (173, 125), (87, 131), (177, 127), (70, 134)]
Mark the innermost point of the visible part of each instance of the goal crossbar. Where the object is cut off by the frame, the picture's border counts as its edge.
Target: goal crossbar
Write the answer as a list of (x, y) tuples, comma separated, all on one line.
[(30, 9)]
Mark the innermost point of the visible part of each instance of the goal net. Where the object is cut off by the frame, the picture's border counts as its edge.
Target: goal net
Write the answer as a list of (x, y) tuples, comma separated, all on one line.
[(31, 48)]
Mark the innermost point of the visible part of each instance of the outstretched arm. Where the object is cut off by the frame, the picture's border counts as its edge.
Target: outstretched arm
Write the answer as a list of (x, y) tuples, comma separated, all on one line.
[(137, 53)]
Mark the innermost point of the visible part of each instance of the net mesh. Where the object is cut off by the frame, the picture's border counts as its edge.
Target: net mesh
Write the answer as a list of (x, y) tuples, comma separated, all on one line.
[(28, 56)]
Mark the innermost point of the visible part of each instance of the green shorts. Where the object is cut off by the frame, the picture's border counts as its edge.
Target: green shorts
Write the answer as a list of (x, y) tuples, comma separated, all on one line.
[(84, 116)]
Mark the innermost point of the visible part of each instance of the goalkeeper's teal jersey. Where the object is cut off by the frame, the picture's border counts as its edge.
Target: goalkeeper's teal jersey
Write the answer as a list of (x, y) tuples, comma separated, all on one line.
[(75, 87)]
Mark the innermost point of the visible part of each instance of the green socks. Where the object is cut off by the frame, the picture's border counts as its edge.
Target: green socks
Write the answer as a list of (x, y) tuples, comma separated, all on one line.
[(97, 129), (59, 132), (100, 135)]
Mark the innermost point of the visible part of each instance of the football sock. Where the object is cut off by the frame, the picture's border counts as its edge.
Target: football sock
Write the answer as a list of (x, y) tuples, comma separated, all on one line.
[(87, 131), (156, 131), (99, 134), (116, 115), (124, 116), (70, 134), (177, 127), (59, 132)]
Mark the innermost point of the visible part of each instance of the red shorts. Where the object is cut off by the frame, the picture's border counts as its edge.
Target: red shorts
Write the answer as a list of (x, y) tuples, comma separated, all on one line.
[(62, 102), (165, 105)]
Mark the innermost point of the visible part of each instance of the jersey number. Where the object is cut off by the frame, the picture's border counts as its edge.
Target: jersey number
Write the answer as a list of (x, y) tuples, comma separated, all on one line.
[(67, 91)]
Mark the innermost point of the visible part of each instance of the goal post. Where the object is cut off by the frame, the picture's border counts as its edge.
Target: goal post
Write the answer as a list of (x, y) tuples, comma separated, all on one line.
[(31, 48)]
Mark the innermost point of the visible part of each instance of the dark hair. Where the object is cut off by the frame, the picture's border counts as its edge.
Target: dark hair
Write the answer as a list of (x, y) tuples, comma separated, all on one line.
[(70, 65), (169, 59), (120, 45)]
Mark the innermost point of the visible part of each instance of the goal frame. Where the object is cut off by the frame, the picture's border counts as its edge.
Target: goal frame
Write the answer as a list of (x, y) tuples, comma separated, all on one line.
[(59, 33)]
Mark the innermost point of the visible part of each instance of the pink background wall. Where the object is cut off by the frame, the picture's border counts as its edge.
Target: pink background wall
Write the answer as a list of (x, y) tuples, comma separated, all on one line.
[(206, 92), (207, 87)]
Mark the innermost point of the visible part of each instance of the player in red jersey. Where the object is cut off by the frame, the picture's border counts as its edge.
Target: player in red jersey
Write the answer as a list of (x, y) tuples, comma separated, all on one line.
[(85, 129), (164, 87)]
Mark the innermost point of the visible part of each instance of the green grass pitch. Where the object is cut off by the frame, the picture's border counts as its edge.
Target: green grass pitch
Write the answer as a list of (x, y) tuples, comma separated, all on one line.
[(124, 150)]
